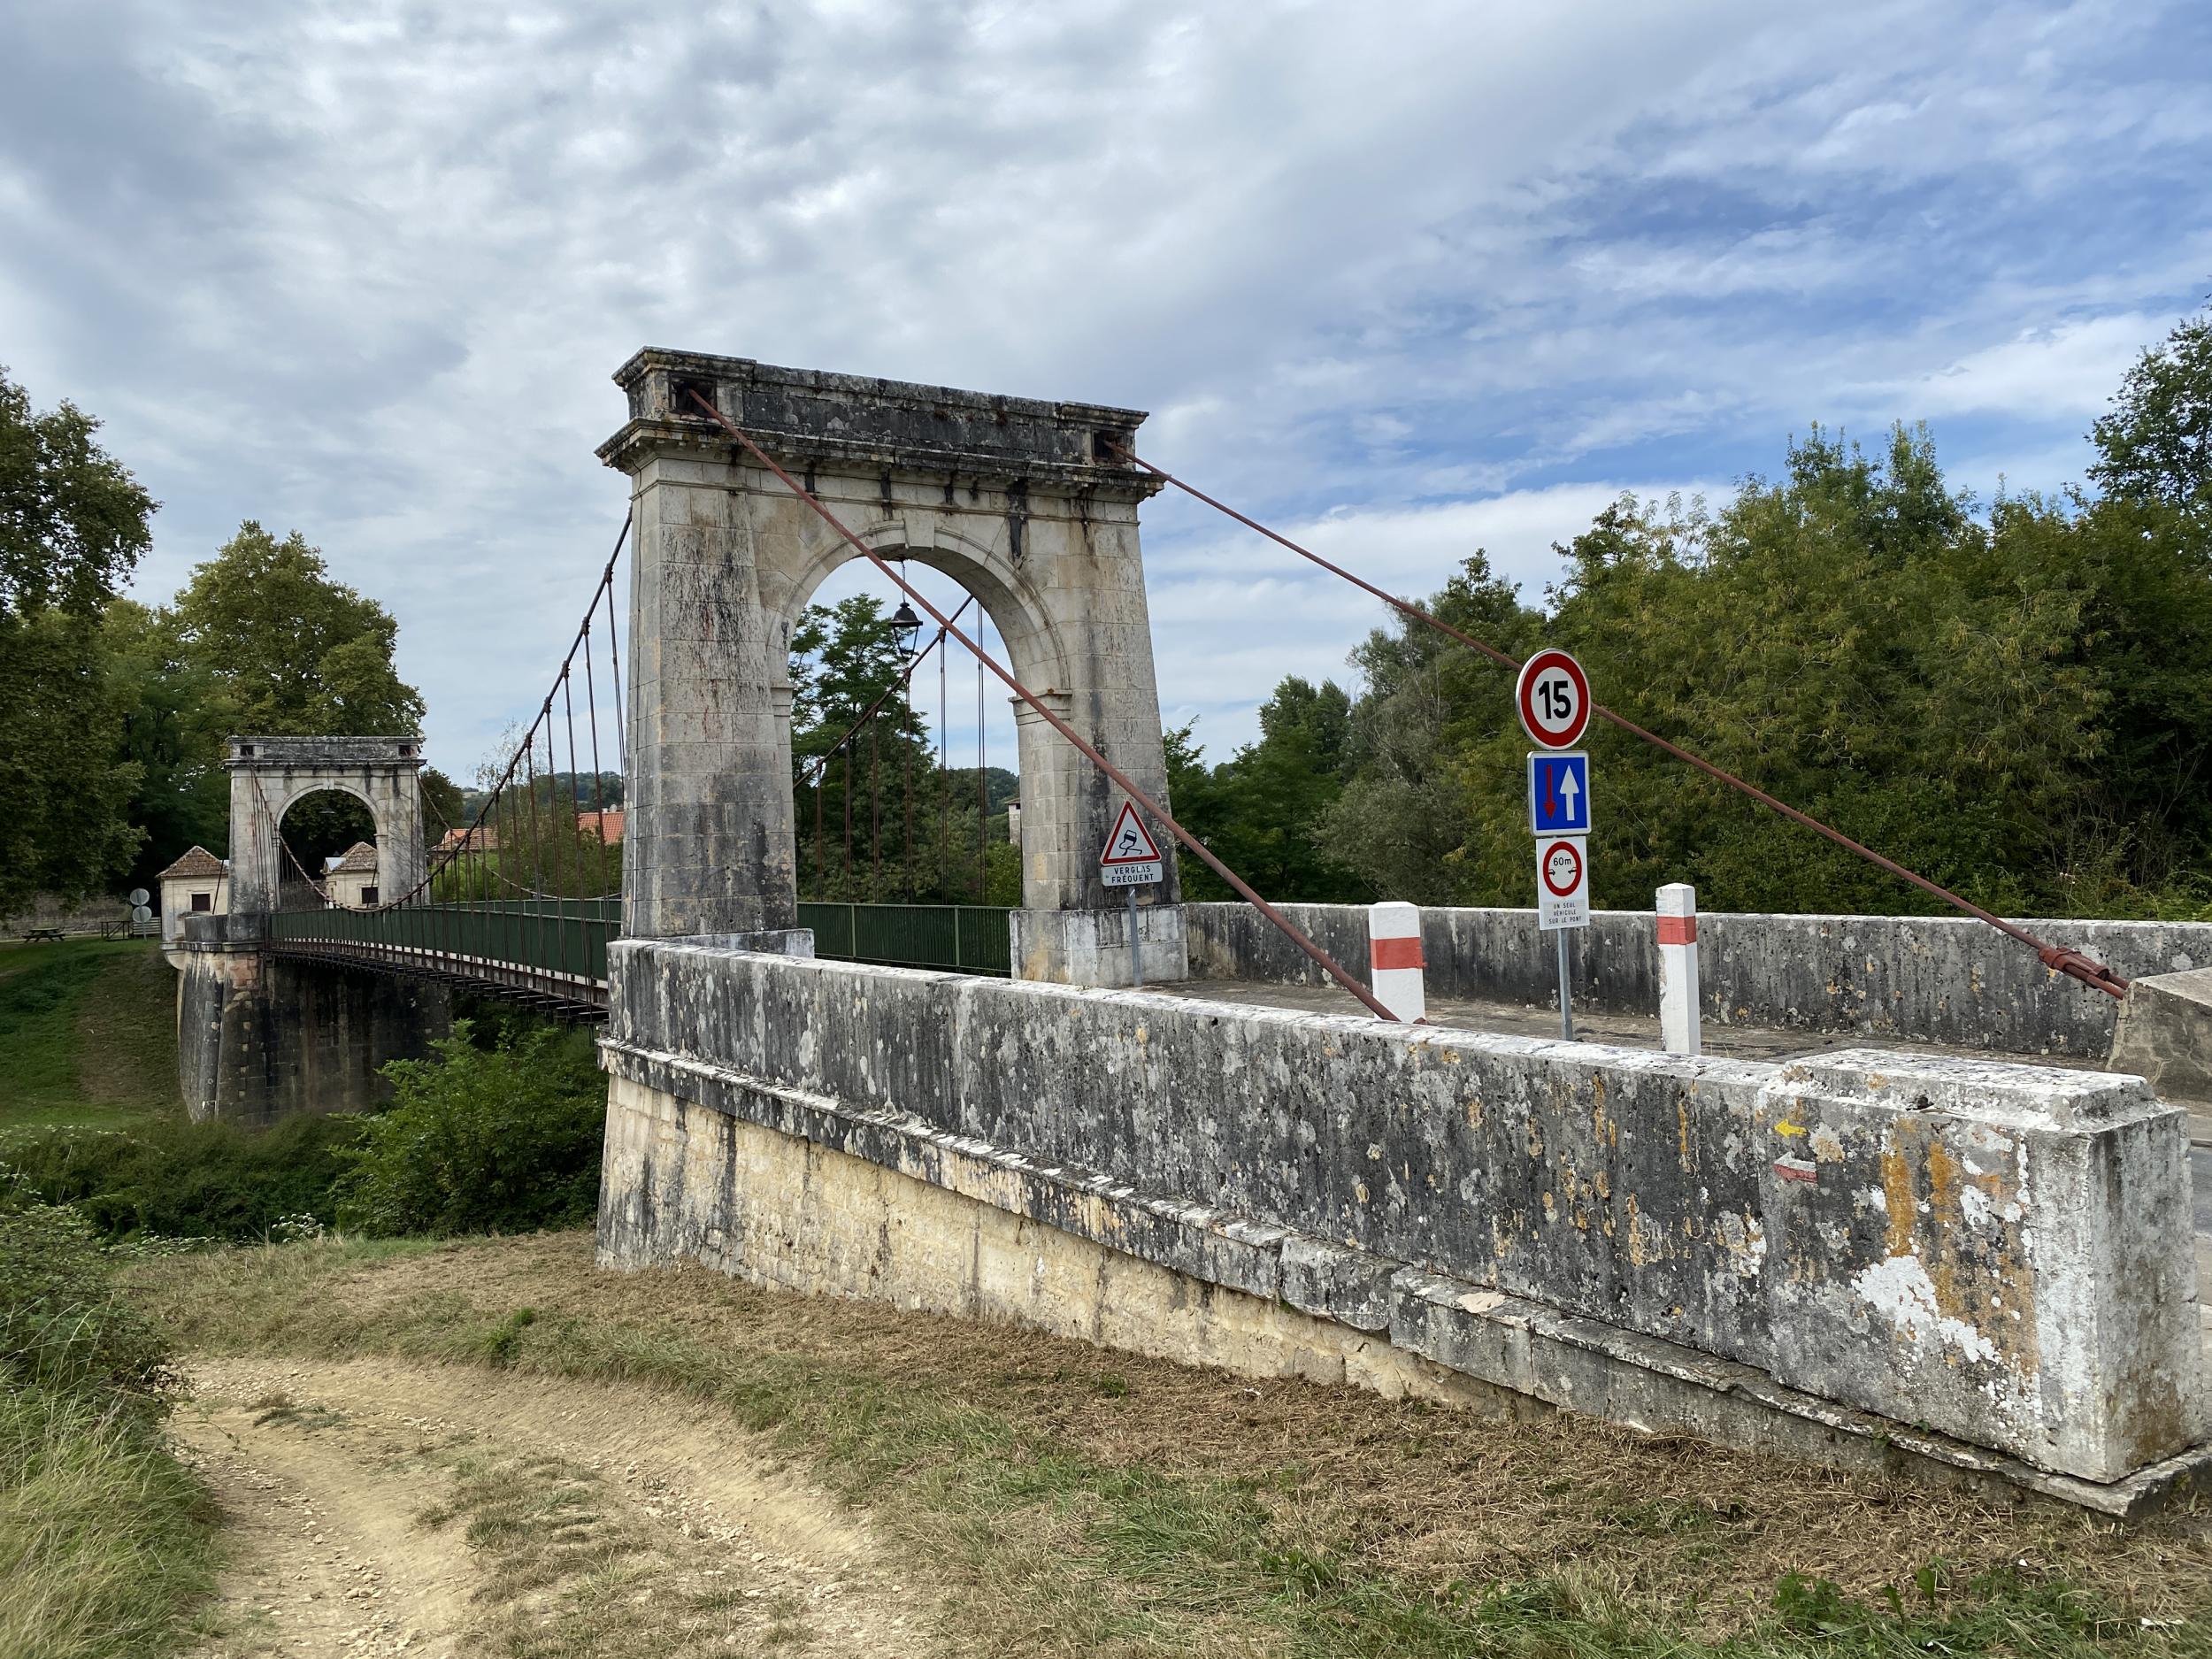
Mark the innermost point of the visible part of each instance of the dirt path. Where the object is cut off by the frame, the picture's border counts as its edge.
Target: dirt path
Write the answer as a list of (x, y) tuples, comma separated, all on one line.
[(379, 1508)]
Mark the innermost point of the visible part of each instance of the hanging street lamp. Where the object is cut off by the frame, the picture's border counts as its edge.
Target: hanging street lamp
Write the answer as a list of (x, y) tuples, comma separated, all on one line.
[(906, 629)]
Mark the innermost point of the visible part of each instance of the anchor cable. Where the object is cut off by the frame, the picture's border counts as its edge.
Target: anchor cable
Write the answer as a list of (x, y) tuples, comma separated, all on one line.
[(2061, 958), (1243, 889)]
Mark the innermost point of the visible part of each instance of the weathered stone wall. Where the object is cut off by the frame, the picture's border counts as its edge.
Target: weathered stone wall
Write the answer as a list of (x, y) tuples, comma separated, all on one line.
[(1918, 978), (1999, 1253), (261, 1038)]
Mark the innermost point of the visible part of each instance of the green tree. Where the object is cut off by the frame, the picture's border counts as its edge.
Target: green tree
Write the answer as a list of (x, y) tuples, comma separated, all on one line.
[(1401, 825), (1260, 811), (914, 830), (268, 644), (291, 652), (2156, 444), (73, 520), (171, 722), (72, 526), (2016, 702)]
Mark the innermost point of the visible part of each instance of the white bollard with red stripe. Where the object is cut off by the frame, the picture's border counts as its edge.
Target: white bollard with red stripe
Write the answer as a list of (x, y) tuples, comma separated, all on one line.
[(1393, 955), (1678, 968)]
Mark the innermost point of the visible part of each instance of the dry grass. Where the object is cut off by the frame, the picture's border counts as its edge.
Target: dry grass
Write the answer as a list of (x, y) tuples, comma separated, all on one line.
[(104, 1539), (1079, 1501)]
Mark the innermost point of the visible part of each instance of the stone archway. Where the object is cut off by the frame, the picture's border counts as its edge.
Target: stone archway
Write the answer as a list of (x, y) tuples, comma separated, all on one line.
[(269, 775), (1012, 498)]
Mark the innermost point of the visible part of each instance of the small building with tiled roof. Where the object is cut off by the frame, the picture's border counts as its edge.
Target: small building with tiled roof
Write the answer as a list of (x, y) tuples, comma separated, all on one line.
[(607, 825), (198, 884), (350, 882)]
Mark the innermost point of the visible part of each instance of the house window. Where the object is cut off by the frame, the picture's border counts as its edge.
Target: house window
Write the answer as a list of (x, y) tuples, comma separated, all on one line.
[(368, 895), (203, 902)]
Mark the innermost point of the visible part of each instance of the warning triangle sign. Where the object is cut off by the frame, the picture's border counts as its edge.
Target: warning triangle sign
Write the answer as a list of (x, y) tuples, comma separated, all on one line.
[(1131, 844)]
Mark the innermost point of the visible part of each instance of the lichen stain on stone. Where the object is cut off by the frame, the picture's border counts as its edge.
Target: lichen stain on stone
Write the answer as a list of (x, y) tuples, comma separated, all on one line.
[(1964, 1277)]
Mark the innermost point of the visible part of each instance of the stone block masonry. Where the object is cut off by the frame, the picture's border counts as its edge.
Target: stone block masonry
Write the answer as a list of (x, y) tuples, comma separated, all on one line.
[(1986, 1265), (1020, 501), (260, 1038), (1913, 978)]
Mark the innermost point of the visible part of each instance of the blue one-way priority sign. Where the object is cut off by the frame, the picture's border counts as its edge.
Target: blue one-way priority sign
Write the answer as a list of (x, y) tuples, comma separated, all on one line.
[(1559, 793)]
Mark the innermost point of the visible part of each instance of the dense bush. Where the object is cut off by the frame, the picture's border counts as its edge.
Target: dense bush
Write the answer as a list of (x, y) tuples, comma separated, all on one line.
[(499, 1139), (187, 1181)]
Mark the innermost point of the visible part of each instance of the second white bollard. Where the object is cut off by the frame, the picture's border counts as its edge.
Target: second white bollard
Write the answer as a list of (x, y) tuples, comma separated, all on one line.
[(1393, 955), (1678, 968)]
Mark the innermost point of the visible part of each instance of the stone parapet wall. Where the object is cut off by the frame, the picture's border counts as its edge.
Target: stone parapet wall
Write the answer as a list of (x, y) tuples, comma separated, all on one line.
[(1999, 1254), (1914, 979)]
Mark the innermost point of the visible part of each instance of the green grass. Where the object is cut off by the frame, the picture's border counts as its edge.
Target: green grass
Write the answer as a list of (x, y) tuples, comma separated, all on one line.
[(1043, 1547), (88, 1035)]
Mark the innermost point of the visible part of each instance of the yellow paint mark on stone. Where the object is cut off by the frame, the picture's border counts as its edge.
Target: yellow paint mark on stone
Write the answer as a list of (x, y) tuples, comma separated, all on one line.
[(1787, 1128)]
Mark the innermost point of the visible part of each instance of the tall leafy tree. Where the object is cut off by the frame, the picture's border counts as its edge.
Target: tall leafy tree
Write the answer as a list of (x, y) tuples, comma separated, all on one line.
[(1261, 809), (72, 526), (172, 721), (284, 650), (292, 652), (2156, 444), (844, 657)]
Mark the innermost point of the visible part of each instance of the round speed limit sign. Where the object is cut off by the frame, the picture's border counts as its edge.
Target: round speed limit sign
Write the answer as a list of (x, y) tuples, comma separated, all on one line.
[(1552, 695)]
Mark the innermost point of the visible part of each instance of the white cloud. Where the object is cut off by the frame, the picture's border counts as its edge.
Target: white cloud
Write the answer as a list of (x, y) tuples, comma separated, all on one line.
[(364, 269), (2069, 370)]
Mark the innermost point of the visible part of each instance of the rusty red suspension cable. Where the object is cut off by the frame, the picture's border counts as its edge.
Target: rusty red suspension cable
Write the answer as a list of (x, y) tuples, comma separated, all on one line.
[(2062, 958), (1327, 963)]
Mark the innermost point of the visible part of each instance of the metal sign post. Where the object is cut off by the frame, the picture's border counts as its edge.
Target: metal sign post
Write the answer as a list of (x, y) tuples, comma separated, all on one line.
[(1553, 699), (1131, 859)]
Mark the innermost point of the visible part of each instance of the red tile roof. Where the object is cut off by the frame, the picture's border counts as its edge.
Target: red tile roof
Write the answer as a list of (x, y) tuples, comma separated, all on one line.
[(197, 863)]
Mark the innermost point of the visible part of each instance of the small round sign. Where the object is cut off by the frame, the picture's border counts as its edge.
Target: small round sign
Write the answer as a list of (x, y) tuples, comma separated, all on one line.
[(139, 895), (1561, 868), (141, 914), (1552, 695)]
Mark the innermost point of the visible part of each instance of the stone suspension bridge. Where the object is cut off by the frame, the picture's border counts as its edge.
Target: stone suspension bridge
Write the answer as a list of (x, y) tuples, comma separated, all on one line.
[(1865, 1230)]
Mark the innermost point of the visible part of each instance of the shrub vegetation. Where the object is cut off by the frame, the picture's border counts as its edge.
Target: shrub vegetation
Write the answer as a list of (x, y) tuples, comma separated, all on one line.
[(504, 1138)]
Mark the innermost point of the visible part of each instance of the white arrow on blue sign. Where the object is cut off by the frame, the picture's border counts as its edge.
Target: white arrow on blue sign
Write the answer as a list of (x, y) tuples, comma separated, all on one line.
[(1559, 793)]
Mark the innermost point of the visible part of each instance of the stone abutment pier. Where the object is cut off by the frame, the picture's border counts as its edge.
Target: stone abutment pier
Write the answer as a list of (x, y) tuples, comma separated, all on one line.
[(1977, 1270)]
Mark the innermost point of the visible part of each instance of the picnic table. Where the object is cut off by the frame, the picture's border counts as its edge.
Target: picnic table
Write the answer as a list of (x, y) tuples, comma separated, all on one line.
[(32, 935)]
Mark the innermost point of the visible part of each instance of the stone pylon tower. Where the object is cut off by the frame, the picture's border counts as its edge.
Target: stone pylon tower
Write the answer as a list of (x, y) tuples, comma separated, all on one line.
[(1016, 500)]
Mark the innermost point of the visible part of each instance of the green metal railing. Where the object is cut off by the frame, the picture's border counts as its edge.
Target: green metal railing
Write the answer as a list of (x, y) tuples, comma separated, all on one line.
[(961, 938), (561, 942), (558, 948)]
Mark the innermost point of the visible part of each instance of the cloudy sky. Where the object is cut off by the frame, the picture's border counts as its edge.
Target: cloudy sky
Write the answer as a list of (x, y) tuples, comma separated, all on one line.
[(1414, 279)]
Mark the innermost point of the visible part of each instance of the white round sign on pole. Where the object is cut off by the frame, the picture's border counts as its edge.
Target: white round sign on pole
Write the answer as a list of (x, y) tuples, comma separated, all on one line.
[(139, 895), (1553, 697), (1563, 882)]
